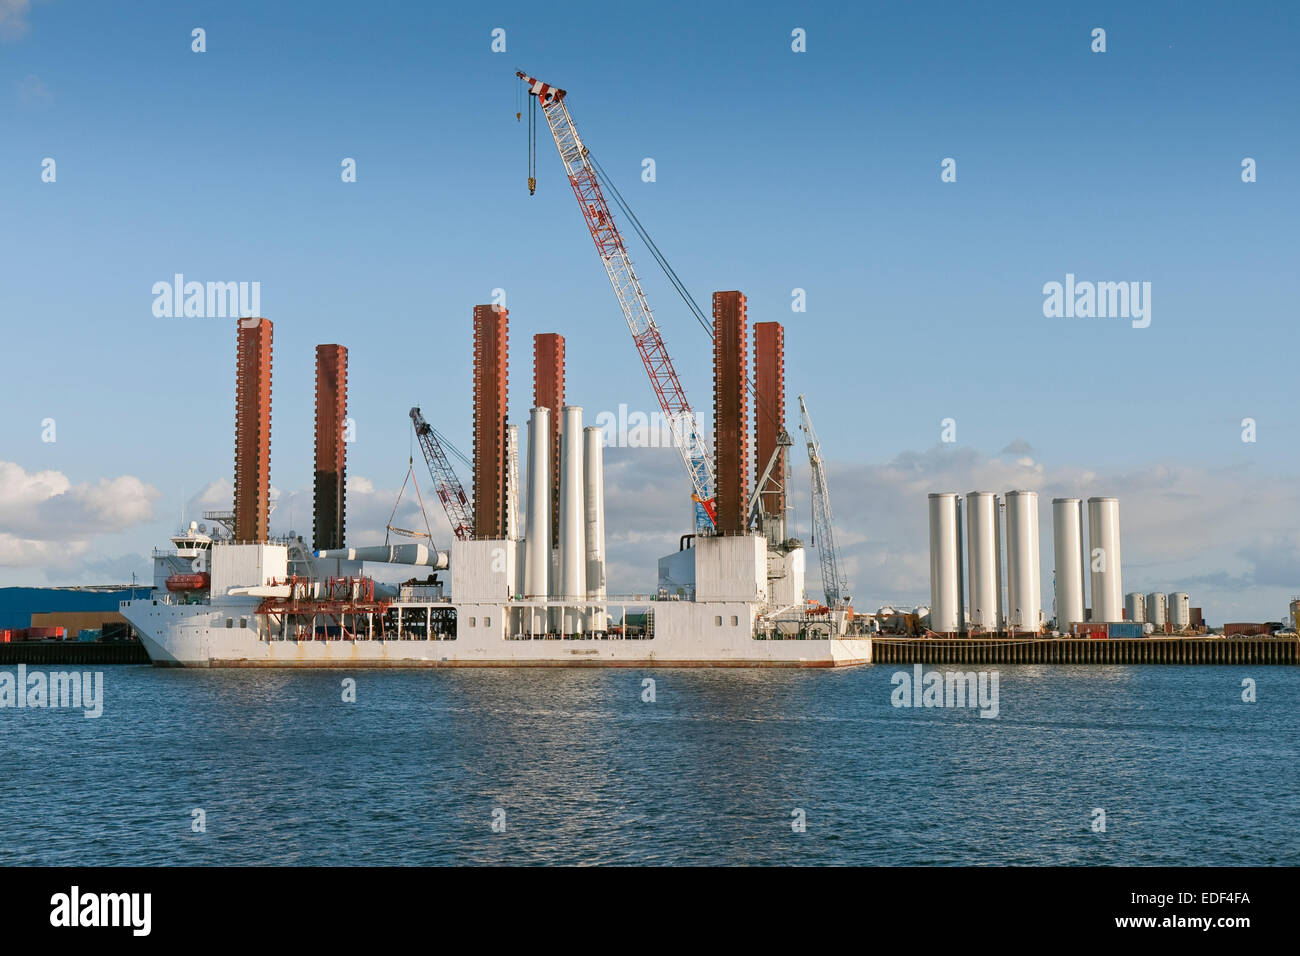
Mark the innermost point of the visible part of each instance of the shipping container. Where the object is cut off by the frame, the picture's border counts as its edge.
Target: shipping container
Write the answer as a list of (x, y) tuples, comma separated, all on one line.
[(1125, 629), (1246, 630), (1089, 629), (115, 631)]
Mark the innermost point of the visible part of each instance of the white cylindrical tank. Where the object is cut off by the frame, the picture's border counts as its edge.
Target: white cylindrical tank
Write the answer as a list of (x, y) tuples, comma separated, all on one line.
[(593, 470), (1180, 610), (512, 483), (1024, 570), (573, 521), (1135, 607), (1104, 560), (945, 563), (1157, 610), (983, 564), (537, 525), (1067, 545)]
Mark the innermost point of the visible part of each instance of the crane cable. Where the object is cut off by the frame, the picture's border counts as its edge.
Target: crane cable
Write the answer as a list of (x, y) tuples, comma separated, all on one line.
[(668, 270), (662, 261), (650, 244)]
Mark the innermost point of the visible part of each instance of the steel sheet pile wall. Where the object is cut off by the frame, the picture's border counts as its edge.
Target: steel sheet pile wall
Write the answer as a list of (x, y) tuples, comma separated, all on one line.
[(548, 392), (769, 411), (329, 488), (253, 430), (491, 382), (730, 410)]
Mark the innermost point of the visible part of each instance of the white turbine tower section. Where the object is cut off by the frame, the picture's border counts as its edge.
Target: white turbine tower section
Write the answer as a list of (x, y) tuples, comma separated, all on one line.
[(593, 473), (984, 560), (1135, 606), (1024, 573), (417, 554), (537, 526), (512, 482), (573, 515), (1067, 542), (945, 563), (1157, 610), (1104, 560)]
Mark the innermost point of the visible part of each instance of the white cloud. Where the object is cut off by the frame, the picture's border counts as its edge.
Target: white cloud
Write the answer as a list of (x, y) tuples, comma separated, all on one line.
[(33, 92), (16, 552), (13, 18), (45, 509)]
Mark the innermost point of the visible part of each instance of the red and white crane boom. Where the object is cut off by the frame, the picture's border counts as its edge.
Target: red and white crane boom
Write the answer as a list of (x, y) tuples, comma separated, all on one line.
[(627, 289)]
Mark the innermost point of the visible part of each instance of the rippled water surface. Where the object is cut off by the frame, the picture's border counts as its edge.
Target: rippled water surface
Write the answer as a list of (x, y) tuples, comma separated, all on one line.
[(586, 772)]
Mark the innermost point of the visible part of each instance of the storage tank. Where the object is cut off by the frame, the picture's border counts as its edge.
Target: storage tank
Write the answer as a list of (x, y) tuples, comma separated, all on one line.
[(573, 521), (1135, 606), (1180, 610), (1104, 560), (1024, 574), (983, 564), (945, 563), (537, 524), (1067, 544), (1157, 609), (593, 499)]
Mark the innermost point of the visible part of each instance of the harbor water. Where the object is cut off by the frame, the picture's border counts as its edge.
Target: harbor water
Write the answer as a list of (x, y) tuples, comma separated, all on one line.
[(597, 766)]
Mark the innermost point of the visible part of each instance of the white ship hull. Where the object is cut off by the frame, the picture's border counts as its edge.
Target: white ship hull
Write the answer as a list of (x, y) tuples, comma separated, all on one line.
[(686, 635), (745, 609)]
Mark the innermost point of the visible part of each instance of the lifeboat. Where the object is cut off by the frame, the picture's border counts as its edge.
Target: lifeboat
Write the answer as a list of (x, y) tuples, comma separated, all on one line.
[(189, 582)]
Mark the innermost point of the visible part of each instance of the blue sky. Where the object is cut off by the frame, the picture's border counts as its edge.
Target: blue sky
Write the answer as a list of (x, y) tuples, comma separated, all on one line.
[(775, 171)]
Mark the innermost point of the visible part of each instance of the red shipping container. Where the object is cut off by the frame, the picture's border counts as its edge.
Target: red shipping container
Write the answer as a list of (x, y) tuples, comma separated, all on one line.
[(1090, 629)]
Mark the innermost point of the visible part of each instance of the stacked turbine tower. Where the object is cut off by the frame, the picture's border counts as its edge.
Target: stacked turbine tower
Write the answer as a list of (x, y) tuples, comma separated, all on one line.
[(984, 540), (1067, 536), (1021, 609)]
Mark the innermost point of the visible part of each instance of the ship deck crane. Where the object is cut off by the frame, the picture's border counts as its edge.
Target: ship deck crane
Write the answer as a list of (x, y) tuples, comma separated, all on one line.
[(445, 483), (627, 289), (823, 526)]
